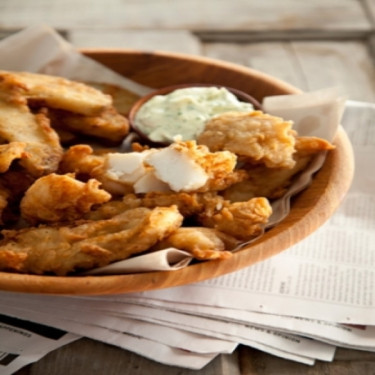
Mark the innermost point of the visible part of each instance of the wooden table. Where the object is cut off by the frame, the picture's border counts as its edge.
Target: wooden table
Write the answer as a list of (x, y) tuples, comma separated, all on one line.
[(311, 45)]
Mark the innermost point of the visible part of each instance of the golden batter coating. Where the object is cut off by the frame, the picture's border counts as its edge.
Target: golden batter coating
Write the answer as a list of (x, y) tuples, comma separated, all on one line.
[(59, 198), (42, 152), (260, 137), (242, 220), (56, 92), (65, 249), (202, 243)]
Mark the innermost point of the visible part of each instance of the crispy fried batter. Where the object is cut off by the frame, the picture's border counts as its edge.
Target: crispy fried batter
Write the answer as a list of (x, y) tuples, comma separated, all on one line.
[(80, 159), (10, 152), (188, 204), (242, 220), (260, 137), (106, 125), (57, 92), (117, 206), (202, 243), (62, 250), (43, 150), (57, 198), (311, 145), (274, 182)]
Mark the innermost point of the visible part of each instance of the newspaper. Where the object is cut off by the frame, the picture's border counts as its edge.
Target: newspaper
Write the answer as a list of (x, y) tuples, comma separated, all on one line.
[(62, 312), (23, 342)]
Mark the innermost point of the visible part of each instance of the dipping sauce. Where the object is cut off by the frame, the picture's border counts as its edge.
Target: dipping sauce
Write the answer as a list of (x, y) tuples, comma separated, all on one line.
[(184, 112)]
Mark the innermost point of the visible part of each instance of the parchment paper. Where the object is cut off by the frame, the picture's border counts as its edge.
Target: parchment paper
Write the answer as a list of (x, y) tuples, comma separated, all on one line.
[(40, 49)]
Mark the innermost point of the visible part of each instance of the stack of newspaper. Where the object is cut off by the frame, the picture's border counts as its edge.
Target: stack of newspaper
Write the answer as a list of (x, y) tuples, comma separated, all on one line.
[(299, 305)]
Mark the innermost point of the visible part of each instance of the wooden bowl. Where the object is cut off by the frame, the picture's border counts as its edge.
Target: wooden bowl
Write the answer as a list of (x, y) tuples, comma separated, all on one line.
[(310, 209)]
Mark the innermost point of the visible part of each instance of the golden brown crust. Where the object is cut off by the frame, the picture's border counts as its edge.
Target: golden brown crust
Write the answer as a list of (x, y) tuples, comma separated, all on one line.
[(61, 250)]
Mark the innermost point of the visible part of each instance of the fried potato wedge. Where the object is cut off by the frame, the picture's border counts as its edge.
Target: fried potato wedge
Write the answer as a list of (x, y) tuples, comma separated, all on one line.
[(65, 249)]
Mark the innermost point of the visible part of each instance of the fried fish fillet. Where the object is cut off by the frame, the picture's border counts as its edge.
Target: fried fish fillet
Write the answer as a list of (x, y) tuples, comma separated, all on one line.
[(108, 125), (43, 151), (274, 182), (242, 220), (195, 168), (260, 137), (59, 198), (10, 152), (81, 160), (65, 249), (188, 204), (56, 92), (202, 243)]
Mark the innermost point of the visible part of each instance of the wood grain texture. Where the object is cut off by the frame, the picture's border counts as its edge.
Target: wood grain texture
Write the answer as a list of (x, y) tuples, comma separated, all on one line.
[(146, 40), (308, 65), (310, 209), (187, 14), (347, 362), (92, 357)]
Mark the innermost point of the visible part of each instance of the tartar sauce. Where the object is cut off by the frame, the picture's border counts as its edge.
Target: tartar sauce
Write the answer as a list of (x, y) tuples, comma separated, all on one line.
[(184, 112)]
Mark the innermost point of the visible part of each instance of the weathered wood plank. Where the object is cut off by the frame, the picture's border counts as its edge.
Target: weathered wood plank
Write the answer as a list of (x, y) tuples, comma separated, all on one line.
[(347, 64), (166, 40), (188, 14), (91, 357), (254, 362), (308, 65), (369, 8)]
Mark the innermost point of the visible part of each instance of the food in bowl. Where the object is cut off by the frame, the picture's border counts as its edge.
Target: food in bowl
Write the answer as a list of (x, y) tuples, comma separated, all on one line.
[(92, 206)]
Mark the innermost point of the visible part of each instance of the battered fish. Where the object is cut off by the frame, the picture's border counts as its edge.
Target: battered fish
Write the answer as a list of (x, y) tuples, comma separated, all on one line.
[(10, 152), (260, 137), (42, 152), (274, 182), (59, 198), (65, 249), (202, 243), (56, 92), (108, 125), (242, 220)]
